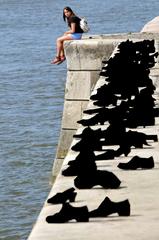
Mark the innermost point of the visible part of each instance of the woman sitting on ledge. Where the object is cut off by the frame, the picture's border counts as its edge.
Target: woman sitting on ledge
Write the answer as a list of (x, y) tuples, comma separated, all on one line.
[(74, 33)]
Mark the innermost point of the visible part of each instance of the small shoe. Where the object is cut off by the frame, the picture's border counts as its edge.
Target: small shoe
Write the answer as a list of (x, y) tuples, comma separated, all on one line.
[(67, 213), (62, 197)]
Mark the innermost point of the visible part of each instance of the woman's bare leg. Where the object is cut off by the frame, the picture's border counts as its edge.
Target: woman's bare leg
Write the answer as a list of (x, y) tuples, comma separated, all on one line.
[(59, 44)]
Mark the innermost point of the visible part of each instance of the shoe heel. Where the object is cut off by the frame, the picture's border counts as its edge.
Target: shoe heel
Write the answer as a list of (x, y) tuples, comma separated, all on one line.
[(72, 197), (150, 163), (84, 219), (124, 208), (83, 216)]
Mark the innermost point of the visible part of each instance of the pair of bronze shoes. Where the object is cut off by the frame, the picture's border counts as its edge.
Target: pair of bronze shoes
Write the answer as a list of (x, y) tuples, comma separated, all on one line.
[(67, 212), (82, 214)]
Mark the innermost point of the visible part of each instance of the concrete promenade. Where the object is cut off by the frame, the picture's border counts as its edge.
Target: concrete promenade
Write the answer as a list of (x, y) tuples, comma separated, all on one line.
[(140, 187)]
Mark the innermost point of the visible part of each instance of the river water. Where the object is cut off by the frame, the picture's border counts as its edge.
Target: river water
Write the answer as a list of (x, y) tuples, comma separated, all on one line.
[(32, 93)]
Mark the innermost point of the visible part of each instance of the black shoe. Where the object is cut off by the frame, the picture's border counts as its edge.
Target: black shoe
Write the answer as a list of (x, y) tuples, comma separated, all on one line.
[(90, 179), (108, 154), (85, 143), (137, 162), (79, 167), (67, 213), (84, 163), (123, 149), (62, 197), (108, 207), (83, 157), (71, 170), (88, 133)]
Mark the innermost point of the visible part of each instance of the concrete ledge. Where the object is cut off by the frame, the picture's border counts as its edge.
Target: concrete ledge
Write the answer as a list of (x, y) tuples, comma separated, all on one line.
[(82, 55), (152, 26), (123, 36)]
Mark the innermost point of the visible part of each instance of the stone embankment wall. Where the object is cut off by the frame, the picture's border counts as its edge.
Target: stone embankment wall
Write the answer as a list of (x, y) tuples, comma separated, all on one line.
[(84, 62)]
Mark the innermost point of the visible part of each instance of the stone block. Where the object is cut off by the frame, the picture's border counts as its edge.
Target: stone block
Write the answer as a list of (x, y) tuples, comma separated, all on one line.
[(56, 167), (73, 111), (87, 54), (65, 140), (80, 84)]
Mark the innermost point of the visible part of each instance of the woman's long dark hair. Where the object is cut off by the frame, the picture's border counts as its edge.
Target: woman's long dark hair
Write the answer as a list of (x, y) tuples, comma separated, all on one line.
[(68, 9)]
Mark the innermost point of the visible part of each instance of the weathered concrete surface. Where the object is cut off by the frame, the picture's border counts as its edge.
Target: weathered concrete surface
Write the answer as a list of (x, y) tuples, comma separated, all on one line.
[(152, 26), (139, 186), (82, 55), (80, 84)]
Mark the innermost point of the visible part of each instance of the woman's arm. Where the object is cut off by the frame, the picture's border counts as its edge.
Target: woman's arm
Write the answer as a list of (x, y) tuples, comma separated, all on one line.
[(72, 29)]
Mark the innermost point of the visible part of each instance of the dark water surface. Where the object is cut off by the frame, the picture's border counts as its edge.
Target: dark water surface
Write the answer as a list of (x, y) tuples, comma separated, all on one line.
[(32, 92)]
